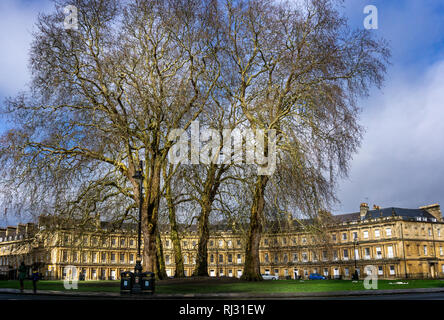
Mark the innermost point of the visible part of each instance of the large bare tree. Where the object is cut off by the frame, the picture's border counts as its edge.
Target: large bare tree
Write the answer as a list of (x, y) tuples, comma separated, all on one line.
[(102, 98), (298, 69)]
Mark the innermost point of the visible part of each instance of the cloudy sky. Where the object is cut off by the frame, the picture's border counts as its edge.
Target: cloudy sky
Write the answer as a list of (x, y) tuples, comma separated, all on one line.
[(400, 162)]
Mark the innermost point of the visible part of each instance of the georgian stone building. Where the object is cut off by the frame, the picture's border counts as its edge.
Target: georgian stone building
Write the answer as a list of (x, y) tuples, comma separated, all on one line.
[(397, 242)]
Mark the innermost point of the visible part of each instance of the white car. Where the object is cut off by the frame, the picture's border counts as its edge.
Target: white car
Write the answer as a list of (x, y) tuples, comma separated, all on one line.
[(269, 277)]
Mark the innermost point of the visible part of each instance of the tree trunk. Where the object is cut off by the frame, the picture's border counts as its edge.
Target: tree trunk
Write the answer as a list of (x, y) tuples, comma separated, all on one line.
[(211, 186), (204, 235), (161, 273), (149, 218), (252, 264), (178, 258)]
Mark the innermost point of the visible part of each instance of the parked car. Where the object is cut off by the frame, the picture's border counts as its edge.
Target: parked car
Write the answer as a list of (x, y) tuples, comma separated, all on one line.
[(316, 276), (269, 277)]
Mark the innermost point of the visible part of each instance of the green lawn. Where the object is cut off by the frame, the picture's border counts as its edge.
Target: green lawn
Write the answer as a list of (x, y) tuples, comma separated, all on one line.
[(240, 286)]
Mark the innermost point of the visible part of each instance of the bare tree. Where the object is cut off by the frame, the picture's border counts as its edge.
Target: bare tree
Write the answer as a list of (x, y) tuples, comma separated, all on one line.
[(104, 97), (298, 69)]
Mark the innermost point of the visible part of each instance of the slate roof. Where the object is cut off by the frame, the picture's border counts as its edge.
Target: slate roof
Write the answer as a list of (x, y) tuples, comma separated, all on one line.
[(406, 214)]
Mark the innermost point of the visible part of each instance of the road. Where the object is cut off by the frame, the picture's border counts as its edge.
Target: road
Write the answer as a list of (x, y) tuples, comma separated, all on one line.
[(405, 296)]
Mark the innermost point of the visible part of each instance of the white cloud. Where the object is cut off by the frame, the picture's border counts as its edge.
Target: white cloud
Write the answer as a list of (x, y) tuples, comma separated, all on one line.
[(400, 161)]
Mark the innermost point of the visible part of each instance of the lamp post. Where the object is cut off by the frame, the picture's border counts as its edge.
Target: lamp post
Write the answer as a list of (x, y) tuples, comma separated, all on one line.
[(138, 268), (355, 274)]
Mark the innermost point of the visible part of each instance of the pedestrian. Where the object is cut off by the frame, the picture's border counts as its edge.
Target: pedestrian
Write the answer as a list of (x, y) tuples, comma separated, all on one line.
[(35, 277), (22, 275)]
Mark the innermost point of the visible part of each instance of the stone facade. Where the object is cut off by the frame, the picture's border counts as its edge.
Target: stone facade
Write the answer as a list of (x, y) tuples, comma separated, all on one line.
[(398, 242)]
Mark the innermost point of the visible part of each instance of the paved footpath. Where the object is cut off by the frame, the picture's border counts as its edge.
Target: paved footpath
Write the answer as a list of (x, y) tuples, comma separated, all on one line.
[(231, 296)]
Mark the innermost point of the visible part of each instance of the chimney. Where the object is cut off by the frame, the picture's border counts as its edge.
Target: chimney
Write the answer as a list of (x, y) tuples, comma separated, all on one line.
[(434, 210), (363, 210)]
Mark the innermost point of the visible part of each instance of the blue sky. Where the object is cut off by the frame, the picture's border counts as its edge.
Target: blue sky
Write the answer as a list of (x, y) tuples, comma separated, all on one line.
[(400, 162)]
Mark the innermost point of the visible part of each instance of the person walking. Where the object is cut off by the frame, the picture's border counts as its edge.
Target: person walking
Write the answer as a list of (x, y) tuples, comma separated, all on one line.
[(22, 275), (35, 277)]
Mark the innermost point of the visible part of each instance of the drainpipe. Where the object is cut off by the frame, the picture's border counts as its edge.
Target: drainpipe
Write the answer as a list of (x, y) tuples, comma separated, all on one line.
[(403, 251)]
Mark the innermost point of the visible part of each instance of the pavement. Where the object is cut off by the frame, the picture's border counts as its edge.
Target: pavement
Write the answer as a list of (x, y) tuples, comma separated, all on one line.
[(230, 296)]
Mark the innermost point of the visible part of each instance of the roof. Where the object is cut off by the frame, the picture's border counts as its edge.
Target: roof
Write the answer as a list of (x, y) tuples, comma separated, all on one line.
[(406, 214)]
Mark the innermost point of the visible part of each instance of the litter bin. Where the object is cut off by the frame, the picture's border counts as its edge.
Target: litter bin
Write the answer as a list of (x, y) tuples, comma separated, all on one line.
[(126, 281), (147, 282)]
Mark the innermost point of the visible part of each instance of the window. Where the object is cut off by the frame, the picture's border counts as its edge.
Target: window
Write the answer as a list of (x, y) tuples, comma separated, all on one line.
[(103, 257), (221, 243), (388, 232), (122, 242), (357, 254), (425, 250), (392, 270), (113, 257), (284, 241), (85, 257), (221, 258), (65, 256), (365, 234), (430, 232), (377, 233), (185, 244), (390, 252), (211, 243), (345, 254), (285, 258), (193, 244), (212, 258), (239, 259), (304, 257), (266, 257), (276, 258), (344, 236), (94, 257), (230, 258), (304, 240), (167, 243), (378, 252), (113, 242), (230, 243), (295, 257), (131, 257), (265, 242), (439, 232), (185, 258), (346, 271), (122, 258), (380, 271), (132, 243), (335, 255), (333, 237), (440, 251), (238, 243), (212, 273), (324, 255), (276, 272), (230, 273), (367, 253), (355, 235), (326, 272)]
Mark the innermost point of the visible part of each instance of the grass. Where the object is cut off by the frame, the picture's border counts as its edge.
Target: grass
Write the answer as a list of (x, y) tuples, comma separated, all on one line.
[(190, 286)]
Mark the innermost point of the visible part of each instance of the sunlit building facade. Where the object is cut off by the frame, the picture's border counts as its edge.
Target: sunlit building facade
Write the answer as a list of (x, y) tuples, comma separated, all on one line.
[(392, 242)]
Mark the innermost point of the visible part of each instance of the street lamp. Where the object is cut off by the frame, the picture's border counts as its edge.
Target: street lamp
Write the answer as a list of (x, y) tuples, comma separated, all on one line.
[(138, 268), (355, 274)]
